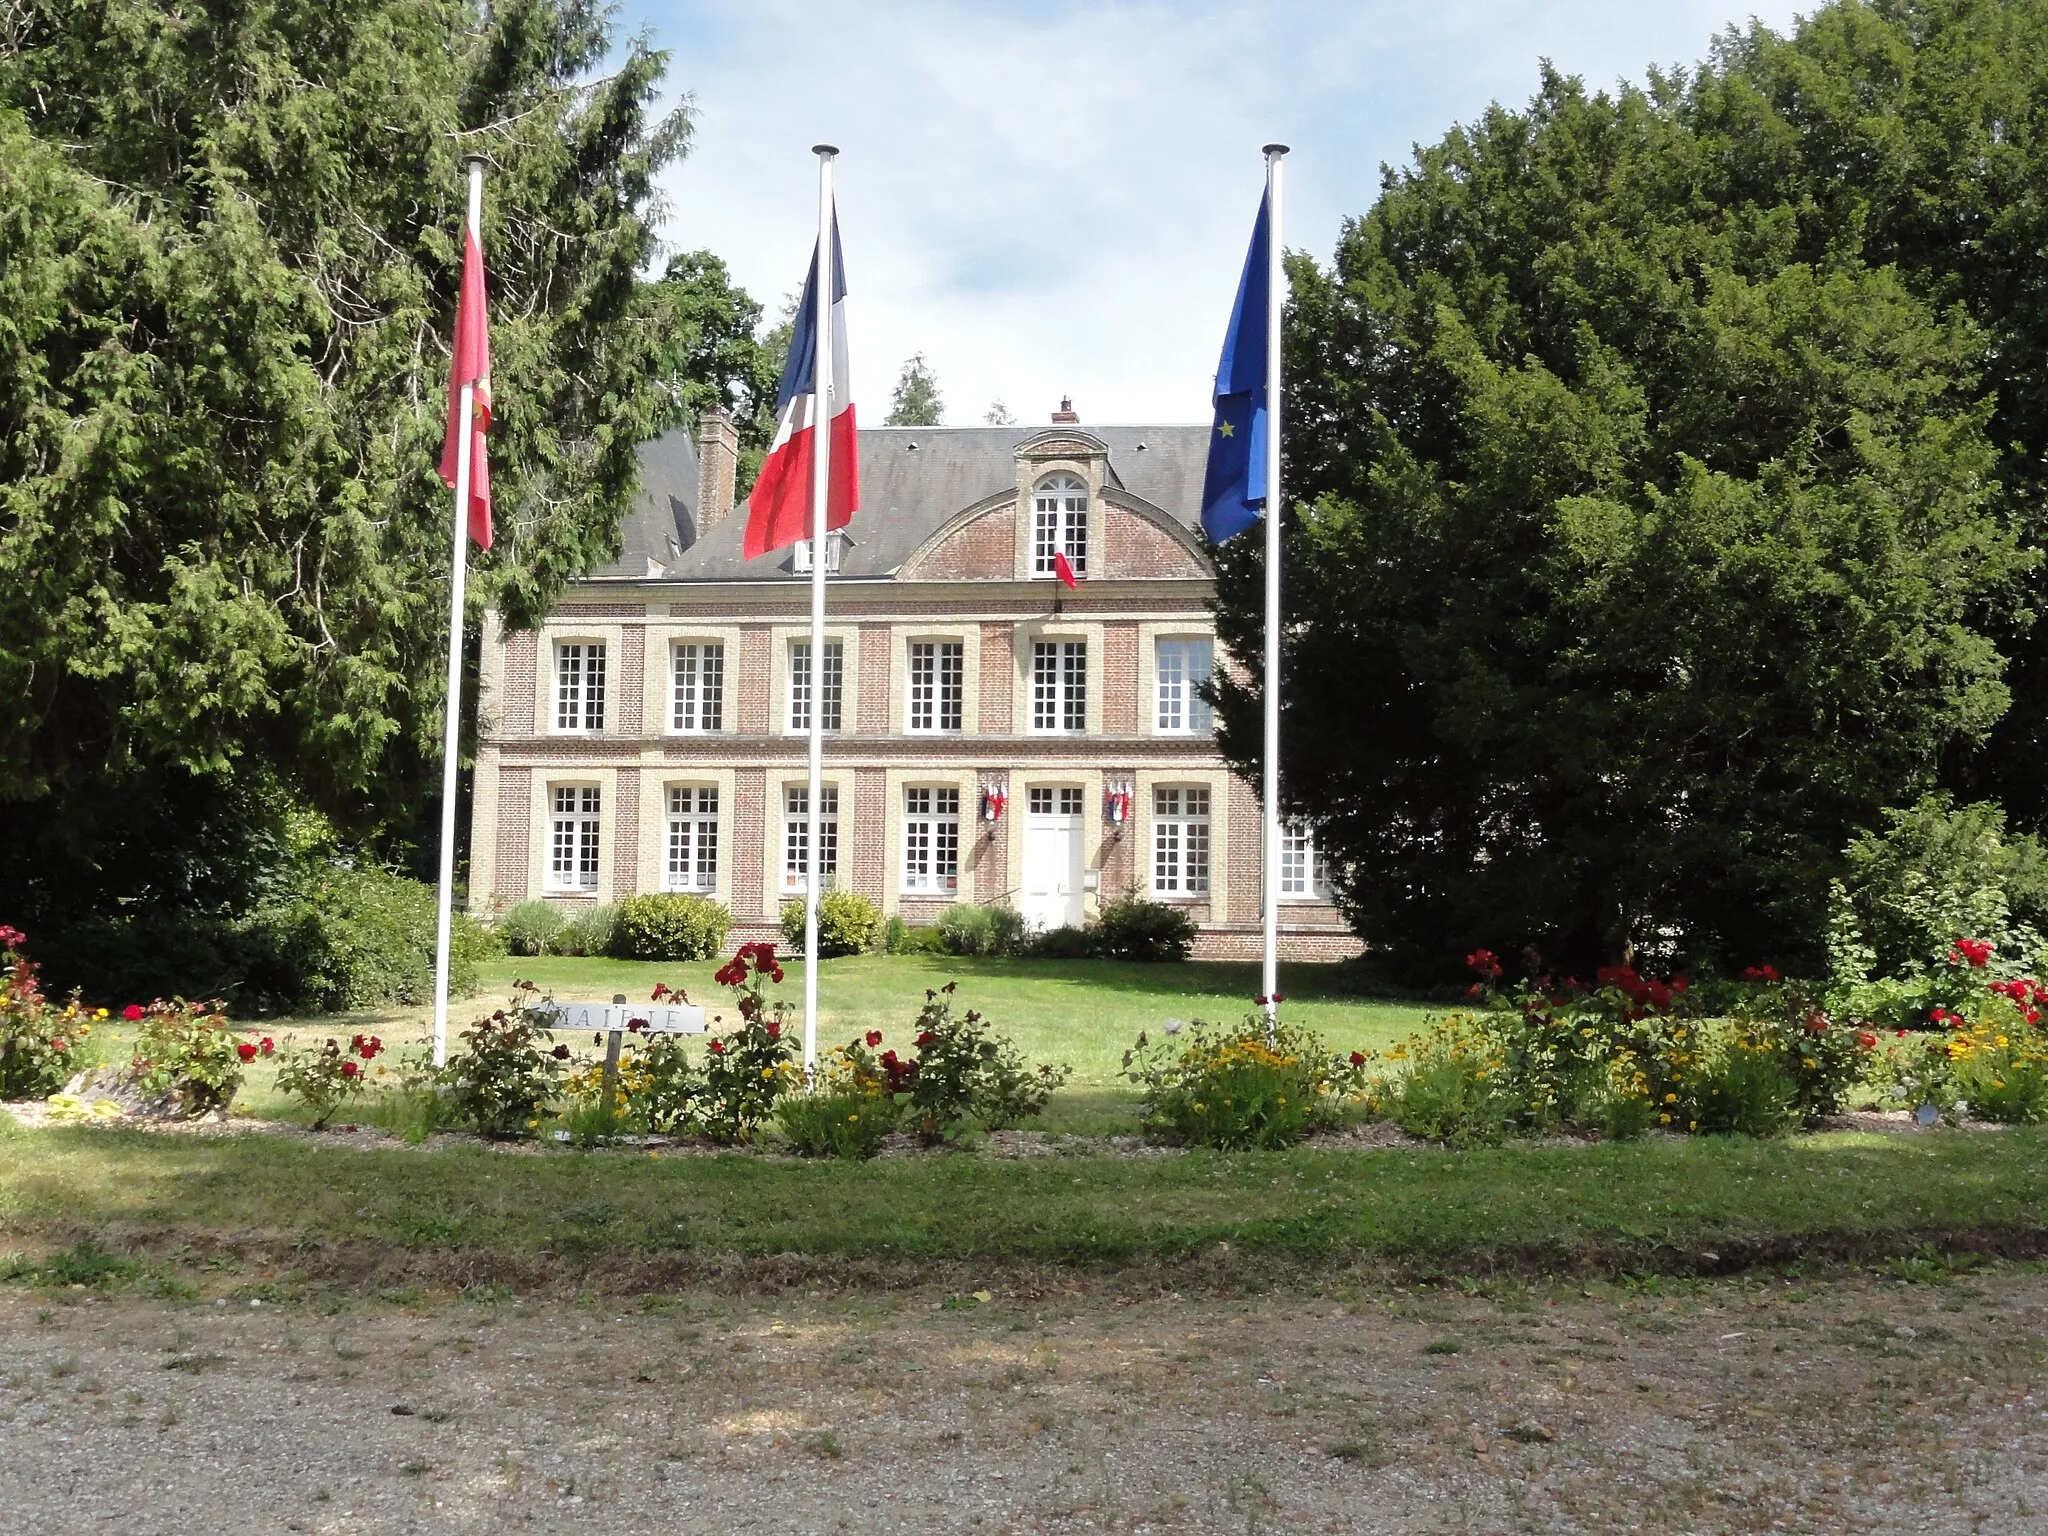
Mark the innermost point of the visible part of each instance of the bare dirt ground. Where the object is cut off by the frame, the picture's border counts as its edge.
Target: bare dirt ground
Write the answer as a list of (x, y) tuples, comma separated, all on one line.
[(1910, 1402)]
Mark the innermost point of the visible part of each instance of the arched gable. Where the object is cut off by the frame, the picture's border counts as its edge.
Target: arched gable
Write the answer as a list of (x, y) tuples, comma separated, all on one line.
[(1141, 543), (979, 544)]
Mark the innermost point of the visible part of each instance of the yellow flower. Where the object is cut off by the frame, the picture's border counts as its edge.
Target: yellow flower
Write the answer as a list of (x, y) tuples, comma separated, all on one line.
[(852, 1119), (1201, 1109), (1283, 1103), (1663, 1119), (1808, 1062), (1670, 1098), (767, 1072), (532, 1125)]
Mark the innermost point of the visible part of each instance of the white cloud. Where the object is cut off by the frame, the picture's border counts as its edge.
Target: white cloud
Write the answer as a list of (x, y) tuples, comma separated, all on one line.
[(1055, 197)]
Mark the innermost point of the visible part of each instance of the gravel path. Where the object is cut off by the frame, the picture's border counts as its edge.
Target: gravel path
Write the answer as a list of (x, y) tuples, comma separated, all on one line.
[(1859, 1404)]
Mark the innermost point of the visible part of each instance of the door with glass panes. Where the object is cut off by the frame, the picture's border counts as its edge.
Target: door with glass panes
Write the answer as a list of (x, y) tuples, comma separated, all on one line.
[(1052, 886)]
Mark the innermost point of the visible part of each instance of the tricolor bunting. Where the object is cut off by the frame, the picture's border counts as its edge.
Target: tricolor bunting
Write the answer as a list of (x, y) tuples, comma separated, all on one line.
[(779, 512)]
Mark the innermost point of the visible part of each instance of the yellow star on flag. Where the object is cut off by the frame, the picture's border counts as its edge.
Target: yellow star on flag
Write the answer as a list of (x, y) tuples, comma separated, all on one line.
[(1225, 428)]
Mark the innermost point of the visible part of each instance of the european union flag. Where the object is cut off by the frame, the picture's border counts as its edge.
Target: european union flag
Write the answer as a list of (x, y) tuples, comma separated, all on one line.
[(1234, 489)]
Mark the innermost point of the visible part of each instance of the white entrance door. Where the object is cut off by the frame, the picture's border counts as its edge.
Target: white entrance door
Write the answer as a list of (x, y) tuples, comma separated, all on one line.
[(1052, 859)]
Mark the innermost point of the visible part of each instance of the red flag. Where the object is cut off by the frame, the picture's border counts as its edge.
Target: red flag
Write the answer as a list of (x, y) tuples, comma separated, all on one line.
[(471, 364), (1061, 568)]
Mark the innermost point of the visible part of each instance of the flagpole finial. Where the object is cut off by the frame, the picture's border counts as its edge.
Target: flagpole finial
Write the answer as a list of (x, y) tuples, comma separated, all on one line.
[(1273, 151), (825, 150)]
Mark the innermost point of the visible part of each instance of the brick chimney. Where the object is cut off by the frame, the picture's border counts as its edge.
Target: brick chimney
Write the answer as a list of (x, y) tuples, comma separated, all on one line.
[(718, 462), (1066, 415)]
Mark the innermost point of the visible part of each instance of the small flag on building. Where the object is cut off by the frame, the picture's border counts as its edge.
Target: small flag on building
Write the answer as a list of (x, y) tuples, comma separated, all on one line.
[(471, 364), (1234, 488), (779, 512), (1063, 568)]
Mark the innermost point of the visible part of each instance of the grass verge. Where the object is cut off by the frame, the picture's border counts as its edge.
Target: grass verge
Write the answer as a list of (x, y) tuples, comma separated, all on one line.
[(473, 1215)]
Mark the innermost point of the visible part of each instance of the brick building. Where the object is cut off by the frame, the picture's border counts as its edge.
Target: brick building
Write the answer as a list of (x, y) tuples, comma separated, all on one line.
[(991, 735)]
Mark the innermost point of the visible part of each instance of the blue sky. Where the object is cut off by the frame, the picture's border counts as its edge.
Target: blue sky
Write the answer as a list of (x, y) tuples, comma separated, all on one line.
[(1047, 198)]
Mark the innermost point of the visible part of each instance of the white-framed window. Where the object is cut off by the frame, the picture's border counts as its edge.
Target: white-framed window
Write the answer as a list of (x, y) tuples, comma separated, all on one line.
[(573, 836), (579, 685), (1304, 871), (1059, 687), (1042, 801), (796, 804), (1180, 667), (931, 840), (835, 551), (698, 692), (1059, 522), (692, 863), (938, 671), (1180, 841), (800, 685)]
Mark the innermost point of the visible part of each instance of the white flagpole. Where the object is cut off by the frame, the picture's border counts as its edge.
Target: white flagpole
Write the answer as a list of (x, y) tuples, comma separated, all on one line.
[(822, 406), (451, 740), (1269, 976)]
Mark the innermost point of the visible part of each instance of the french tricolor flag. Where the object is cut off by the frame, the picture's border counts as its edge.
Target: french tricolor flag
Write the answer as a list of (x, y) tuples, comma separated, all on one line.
[(779, 512)]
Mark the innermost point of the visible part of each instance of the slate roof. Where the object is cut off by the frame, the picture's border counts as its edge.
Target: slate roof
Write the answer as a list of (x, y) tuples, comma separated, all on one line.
[(907, 494), (663, 521)]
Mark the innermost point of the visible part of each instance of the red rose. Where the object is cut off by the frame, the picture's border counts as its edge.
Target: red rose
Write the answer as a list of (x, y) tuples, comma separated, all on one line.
[(269, 1045), (132, 1012), (1867, 1040), (716, 1047), (874, 1038), (1678, 986), (11, 938), (776, 973), (1358, 1058), (561, 1054), (59, 1045), (246, 1051), (349, 1069), (660, 991), (925, 1039), (774, 1030)]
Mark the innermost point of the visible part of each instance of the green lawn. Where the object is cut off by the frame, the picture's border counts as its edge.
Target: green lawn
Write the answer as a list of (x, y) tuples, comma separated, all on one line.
[(1082, 1012), (254, 1205)]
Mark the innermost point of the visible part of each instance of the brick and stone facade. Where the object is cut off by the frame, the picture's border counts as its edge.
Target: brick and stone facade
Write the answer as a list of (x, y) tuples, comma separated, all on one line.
[(665, 790)]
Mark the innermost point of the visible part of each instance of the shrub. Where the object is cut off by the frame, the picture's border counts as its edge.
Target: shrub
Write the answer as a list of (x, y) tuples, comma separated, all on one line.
[(850, 1106), (671, 926), (1063, 943), (1825, 1058), (967, 929), (1134, 928), (1451, 1090), (1240, 1086), (1629, 1053), (1990, 1061), (1938, 870), (593, 931), (40, 1046), (1744, 1087), (507, 1074), (847, 924), (529, 927), (343, 936), (748, 1068), (662, 1085), (325, 1079), (189, 1054), (966, 1077)]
